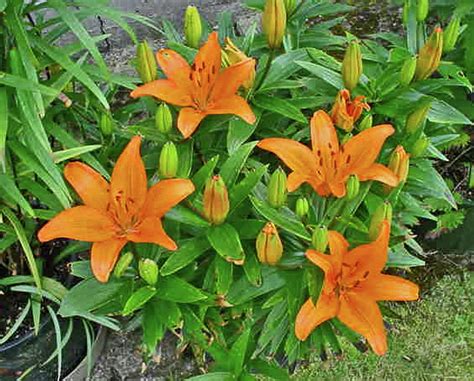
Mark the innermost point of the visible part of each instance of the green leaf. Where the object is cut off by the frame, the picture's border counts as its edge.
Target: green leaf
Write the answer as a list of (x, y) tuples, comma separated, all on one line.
[(226, 242), (442, 112), (184, 215), (67, 154), (239, 192), (12, 193), (252, 268), (178, 290), (238, 133), (204, 173), (224, 275), (3, 126), (19, 320), (138, 299), (283, 218), (214, 376), (185, 154), (187, 253), (153, 330), (398, 256), (280, 106), (327, 75), (283, 67), (22, 83), (238, 351), (233, 165)]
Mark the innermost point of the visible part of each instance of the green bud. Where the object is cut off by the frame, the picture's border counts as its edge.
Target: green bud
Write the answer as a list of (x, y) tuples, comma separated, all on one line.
[(106, 124), (429, 55), (122, 264), (422, 9), (408, 71), (420, 146), (146, 63), (451, 34), (320, 239), (163, 118), (352, 65), (352, 187), (274, 22), (302, 207), (366, 122), (192, 27), (383, 212), (277, 189), (406, 11), (416, 119), (148, 270), (268, 245), (216, 200), (168, 161)]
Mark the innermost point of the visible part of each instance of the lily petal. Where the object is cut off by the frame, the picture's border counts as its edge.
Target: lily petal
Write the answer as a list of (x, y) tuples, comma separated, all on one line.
[(363, 316), (230, 79), (361, 151), (295, 155), (389, 287), (338, 247), (128, 185), (83, 223), (235, 105), (380, 173), (188, 121), (324, 138), (91, 187), (208, 62), (165, 90), (151, 230), (310, 316), (175, 67), (104, 255), (164, 195), (295, 180)]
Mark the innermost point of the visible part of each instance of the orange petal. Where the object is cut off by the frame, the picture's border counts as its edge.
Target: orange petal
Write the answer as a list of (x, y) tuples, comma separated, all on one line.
[(310, 316), (151, 230), (83, 223), (103, 257), (380, 173), (165, 90), (295, 155), (231, 78), (175, 67), (128, 185), (295, 180), (338, 188), (235, 105), (91, 187), (164, 195), (389, 287), (324, 136), (362, 315), (208, 62), (361, 151), (188, 121), (370, 259), (338, 247)]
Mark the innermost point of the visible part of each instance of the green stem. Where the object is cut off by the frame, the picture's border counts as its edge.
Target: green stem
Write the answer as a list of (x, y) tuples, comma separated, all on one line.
[(265, 71)]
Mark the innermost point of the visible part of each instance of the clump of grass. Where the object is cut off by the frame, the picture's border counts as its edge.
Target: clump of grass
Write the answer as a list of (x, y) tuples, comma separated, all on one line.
[(429, 339)]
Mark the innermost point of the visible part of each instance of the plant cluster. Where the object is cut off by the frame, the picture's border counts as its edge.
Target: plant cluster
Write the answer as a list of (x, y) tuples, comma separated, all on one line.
[(255, 195)]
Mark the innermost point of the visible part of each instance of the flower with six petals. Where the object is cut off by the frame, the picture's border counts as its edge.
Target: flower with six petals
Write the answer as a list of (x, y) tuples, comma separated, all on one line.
[(201, 89), (353, 284), (328, 165), (345, 112), (116, 213)]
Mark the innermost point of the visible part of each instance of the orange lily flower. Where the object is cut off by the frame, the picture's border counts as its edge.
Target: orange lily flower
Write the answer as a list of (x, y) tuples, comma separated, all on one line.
[(346, 112), (201, 89), (116, 213), (353, 285), (328, 166)]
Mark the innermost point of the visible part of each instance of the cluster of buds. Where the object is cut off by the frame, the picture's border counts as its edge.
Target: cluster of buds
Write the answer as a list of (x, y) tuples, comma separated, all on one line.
[(429, 55), (233, 55), (216, 200), (274, 22), (352, 65), (346, 112), (268, 245), (146, 63), (382, 213), (277, 188), (192, 27), (168, 165)]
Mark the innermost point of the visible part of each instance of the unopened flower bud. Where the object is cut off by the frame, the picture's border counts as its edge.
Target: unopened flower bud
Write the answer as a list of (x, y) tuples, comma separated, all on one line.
[(420, 146), (352, 65), (422, 8), (429, 55), (106, 124), (320, 240), (163, 118), (148, 270), (122, 264), (192, 27), (146, 63), (366, 123), (346, 111), (416, 119), (268, 245), (290, 6), (408, 71), (215, 200), (274, 22), (383, 212), (406, 11), (302, 207), (277, 189), (168, 166), (451, 34), (233, 55), (352, 187), (399, 163)]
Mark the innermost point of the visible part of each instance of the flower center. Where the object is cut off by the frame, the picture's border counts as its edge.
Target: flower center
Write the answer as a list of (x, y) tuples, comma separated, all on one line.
[(124, 211)]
